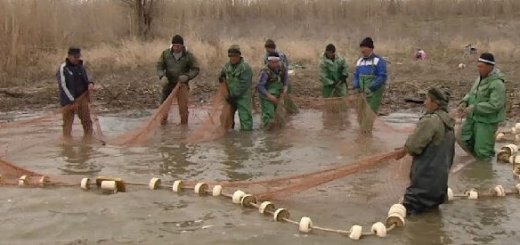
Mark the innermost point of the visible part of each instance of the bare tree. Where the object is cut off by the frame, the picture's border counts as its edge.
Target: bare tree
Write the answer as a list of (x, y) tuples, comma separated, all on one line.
[(143, 15)]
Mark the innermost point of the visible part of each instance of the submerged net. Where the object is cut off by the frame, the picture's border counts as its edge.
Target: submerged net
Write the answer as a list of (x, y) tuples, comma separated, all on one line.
[(142, 134), (220, 118)]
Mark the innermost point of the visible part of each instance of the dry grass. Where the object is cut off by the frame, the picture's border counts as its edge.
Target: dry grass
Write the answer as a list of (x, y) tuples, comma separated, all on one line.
[(36, 33)]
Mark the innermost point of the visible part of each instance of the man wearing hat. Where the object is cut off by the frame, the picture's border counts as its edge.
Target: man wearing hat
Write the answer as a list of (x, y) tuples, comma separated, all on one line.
[(370, 75), (238, 76), (484, 107), (179, 66), (270, 47), (333, 73), (432, 147), (74, 84), (273, 85)]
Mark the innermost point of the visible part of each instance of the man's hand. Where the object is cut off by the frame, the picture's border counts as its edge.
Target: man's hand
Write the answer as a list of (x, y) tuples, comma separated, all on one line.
[(231, 99), (368, 93), (401, 152), (183, 79), (284, 91), (273, 99)]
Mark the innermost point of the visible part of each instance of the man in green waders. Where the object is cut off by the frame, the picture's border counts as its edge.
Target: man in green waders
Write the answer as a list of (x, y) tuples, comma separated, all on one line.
[(370, 75), (484, 107), (270, 47), (238, 76), (333, 73), (273, 85)]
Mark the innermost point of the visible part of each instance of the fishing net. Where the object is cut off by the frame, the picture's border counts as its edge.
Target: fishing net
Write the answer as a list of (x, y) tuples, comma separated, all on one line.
[(220, 118), (283, 187), (144, 132)]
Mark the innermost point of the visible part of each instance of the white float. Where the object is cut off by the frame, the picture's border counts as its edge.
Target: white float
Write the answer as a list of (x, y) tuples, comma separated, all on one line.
[(217, 190), (379, 229), (154, 183), (281, 214), (109, 186), (85, 184), (247, 200), (399, 209), (499, 191), (177, 186), (201, 188), (266, 207), (305, 225), (237, 196), (23, 180), (472, 194), (355, 232)]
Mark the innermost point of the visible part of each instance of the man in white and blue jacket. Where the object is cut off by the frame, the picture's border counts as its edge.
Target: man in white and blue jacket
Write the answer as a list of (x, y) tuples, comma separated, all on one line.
[(370, 75), (74, 86)]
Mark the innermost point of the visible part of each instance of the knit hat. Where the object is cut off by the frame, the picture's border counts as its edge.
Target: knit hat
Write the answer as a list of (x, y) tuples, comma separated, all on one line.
[(487, 58), (269, 43), (367, 42), (234, 49), (331, 48), (177, 39), (440, 95), (74, 51)]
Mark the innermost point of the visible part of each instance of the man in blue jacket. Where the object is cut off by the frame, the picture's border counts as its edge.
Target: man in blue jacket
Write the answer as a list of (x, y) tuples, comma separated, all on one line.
[(74, 86), (370, 75)]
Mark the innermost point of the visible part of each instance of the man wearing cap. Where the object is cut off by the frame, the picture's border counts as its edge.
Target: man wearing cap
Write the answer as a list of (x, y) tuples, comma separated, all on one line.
[(270, 47), (273, 85), (238, 76), (370, 75), (74, 84), (432, 147), (179, 66), (333, 73), (484, 107)]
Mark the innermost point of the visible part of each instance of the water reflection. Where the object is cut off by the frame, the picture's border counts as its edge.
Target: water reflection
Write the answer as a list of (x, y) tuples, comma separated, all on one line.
[(337, 119), (426, 228), (238, 147), (78, 158)]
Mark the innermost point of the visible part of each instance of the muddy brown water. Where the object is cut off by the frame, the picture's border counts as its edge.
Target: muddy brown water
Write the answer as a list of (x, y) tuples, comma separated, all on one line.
[(312, 141)]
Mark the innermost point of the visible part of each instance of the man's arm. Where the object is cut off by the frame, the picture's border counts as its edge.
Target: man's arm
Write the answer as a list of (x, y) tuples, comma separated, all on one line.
[(497, 99), (324, 75), (422, 136), (244, 82), (161, 66), (356, 77), (380, 74), (194, 67), (344, 70), (60, 76)]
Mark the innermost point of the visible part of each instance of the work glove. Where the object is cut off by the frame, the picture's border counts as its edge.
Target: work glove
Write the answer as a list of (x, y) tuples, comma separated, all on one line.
[(221, 79), (183, 79), (161, 75), (231, 99), (368, 92), (343, 79)]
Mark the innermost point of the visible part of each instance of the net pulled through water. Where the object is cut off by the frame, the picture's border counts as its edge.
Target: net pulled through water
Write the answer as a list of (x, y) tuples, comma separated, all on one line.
[(220, 118)]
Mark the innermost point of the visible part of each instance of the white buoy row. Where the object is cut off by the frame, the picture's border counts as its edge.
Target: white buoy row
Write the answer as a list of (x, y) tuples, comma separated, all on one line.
[(397, 212)]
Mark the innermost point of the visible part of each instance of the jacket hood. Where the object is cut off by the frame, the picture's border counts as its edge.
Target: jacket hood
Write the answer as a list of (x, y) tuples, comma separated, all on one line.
[(496, 74), (445, 118)]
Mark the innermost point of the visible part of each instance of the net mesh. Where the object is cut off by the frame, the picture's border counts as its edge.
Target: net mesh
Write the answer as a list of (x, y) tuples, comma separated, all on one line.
[(220, 118)]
